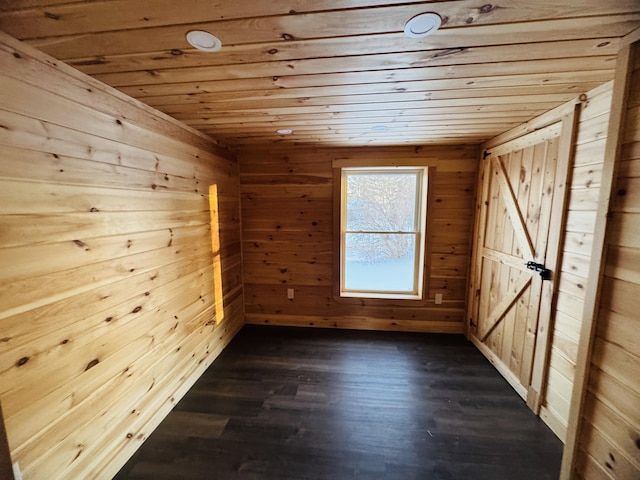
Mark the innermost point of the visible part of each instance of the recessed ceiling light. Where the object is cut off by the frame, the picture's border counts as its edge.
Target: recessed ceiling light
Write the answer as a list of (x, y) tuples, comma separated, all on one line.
[(204, 41), (284, 131), (379, 128), (422, 25)]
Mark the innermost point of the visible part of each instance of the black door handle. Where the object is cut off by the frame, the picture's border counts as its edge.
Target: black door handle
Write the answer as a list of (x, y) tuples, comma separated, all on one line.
[(545, 273)]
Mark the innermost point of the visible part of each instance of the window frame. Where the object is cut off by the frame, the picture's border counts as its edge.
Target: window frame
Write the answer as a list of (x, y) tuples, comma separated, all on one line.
[(421, 276)]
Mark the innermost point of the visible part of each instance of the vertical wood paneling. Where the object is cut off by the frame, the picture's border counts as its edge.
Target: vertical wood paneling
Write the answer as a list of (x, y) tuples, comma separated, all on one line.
[(287, 222), (572, 274), (520, 214), (109, 306), (582, 205), (611, 415)]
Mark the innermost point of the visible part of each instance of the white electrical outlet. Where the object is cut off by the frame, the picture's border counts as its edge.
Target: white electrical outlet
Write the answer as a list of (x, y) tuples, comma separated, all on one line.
[(290, 293), (438, 298)]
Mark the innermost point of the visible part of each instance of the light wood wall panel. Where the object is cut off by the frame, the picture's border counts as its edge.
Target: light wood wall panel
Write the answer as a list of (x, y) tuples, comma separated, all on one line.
[(110, 307), (287, 225), (576, 257), (609, 430)]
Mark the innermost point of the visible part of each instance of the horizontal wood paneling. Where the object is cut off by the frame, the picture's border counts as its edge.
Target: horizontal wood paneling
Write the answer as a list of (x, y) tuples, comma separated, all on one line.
[(109, 305), (576, 257), (610, 427), (330, 70), (287, 223), (82, 18)]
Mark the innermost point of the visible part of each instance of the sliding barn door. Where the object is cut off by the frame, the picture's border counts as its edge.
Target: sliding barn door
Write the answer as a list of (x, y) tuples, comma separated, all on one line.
[(520, 186)]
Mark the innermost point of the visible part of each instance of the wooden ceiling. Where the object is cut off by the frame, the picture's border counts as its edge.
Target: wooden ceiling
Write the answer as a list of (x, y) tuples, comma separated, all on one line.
[(332, 70)]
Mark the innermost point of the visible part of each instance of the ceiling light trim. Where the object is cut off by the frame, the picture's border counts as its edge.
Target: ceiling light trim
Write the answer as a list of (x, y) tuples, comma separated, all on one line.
[(204, 41), (422, 25)]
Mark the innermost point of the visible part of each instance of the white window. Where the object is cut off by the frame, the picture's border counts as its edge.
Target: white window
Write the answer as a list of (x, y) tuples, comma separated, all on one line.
[(382, 232)]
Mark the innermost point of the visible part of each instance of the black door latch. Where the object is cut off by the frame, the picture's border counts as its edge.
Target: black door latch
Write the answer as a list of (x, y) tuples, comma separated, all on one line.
[(545, 273)]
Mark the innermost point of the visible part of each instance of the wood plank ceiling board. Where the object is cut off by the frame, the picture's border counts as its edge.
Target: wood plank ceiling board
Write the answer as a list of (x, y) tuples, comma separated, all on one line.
[(336, 72)]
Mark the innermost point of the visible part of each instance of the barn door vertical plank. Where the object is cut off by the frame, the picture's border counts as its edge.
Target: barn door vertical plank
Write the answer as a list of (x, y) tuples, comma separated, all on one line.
[(498, 277), (553, 257), (510, 245), (524, 164), (478, 244), (529, 206), (538, 217)]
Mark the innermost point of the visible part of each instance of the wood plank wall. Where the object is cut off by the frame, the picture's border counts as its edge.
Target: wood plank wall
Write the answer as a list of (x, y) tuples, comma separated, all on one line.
[(576, 255), (609, 431), (107, 305), (287, 228)]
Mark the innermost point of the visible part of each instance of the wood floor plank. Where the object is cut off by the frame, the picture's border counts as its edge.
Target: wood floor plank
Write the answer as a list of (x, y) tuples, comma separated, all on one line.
[(291, 403)]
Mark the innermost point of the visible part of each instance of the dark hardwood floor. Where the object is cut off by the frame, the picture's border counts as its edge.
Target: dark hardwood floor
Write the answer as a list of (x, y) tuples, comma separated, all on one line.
[(286, 403)]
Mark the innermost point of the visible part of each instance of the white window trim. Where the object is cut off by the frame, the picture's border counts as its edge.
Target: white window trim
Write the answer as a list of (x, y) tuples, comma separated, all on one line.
[(420, 234)]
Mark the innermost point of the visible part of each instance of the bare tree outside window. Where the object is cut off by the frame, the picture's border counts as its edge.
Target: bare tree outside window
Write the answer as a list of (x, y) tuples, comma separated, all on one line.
[(381, 203)]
